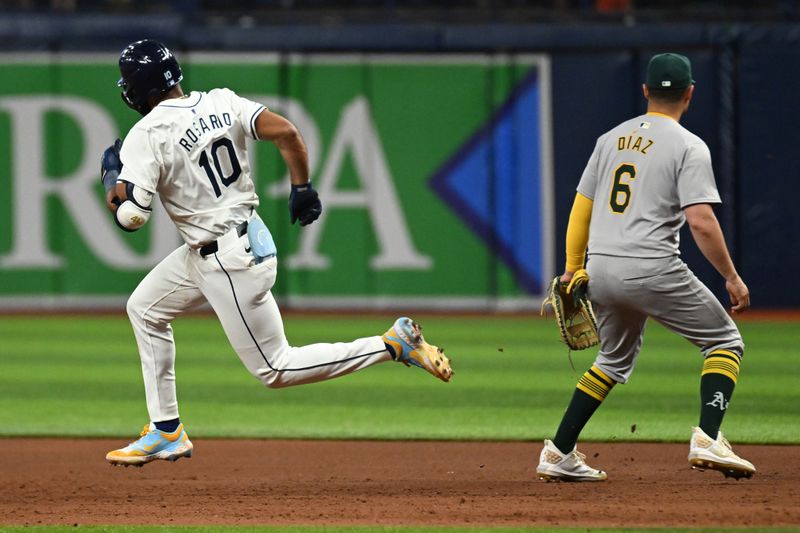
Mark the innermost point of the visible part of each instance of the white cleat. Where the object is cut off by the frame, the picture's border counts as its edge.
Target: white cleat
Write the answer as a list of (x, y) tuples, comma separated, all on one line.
[(556, 466), (707, 453)]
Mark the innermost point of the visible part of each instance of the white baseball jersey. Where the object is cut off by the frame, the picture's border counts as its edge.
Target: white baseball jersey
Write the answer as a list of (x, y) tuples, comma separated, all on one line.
[(640, 176), (192, 151)]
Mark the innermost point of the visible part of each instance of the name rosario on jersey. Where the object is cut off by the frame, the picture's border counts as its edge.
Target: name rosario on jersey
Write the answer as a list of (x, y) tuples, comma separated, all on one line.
[(200, 127), (628, 143)]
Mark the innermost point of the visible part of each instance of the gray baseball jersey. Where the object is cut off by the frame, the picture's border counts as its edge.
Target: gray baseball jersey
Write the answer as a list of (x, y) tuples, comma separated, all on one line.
[(640, 177)]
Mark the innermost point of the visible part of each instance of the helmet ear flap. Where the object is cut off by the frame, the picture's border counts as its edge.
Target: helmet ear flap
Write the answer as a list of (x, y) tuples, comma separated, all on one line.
[(141, 109), (127, 100)]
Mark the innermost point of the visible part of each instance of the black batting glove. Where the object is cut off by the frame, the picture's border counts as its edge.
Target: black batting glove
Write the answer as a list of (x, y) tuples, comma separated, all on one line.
[(304, 204), (110, 165)]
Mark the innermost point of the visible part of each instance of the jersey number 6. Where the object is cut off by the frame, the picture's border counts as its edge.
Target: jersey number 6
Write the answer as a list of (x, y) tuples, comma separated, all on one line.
[(621, 191), (235, 167)]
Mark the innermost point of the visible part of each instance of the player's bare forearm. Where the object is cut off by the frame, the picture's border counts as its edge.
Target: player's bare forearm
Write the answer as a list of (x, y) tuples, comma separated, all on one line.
[(294, 152), (296, 160), (708, 236), (304, 202), (286, 137)]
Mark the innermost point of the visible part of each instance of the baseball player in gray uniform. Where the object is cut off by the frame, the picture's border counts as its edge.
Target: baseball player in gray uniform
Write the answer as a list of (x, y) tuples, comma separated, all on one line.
[(190, 149), (644, 180)]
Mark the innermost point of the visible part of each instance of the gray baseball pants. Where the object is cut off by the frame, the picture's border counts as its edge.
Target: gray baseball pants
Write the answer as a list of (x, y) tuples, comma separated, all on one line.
[(625, 291)]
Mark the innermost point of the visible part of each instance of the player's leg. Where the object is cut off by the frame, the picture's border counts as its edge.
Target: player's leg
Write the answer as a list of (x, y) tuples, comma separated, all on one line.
[(690, 309), (682, 303), (620, 332), (239, 292), (255, 330), (620, 329), (162, 295)]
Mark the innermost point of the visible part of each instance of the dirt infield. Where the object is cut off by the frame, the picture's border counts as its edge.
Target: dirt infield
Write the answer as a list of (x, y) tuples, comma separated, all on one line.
[(238, 482)]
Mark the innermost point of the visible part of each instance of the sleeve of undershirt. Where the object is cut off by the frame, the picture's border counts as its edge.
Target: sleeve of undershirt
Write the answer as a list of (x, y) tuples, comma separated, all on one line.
[(578, 232)]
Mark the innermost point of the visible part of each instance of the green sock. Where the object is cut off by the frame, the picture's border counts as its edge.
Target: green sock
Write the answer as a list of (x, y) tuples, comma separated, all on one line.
[(580, 410), (715, 393), (592, 389), (717, 380)]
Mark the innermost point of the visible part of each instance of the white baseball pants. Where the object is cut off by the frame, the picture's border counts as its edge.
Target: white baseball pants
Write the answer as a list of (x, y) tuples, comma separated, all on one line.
[(239, 292)]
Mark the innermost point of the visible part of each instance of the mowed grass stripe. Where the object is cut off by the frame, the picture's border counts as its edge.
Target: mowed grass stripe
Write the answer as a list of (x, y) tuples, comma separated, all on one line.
[(80, 376)]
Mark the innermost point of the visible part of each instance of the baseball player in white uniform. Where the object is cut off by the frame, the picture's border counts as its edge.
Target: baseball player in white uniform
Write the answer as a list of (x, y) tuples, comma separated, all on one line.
[(644, 180), (190, 150)]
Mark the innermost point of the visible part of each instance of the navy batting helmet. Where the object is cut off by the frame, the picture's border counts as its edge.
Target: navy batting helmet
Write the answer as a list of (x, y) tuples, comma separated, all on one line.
[(148, 69)]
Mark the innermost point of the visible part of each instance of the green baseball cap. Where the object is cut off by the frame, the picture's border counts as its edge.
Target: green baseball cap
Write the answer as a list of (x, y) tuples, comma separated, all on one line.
[(669, 71)]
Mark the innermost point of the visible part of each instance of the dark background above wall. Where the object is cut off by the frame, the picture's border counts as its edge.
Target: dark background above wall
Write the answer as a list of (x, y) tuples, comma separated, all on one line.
[(745, 57)]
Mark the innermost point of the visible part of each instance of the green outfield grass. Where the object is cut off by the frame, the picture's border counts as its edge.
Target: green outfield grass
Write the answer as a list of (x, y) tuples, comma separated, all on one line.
[(80, 376)]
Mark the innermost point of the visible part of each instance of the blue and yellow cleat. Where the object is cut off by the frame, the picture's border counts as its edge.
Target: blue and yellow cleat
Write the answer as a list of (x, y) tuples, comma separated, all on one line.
[(409, 347), (153, 444)]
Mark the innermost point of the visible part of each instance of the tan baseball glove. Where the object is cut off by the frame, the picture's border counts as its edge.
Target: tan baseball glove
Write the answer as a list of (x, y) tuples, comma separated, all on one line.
[(574, 314)]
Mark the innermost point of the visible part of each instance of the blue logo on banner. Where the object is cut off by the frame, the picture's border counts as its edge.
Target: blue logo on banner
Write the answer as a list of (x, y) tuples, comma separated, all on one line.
[(494, 184)]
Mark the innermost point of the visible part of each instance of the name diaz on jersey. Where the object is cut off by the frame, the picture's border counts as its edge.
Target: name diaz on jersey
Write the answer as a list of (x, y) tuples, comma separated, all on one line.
[(628, 143), (201, 126)]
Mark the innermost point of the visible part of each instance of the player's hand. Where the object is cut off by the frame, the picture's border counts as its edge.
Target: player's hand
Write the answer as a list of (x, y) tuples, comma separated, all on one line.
[(566, 277), (304, 204), (115, 196), (111, 165), (739, 294)]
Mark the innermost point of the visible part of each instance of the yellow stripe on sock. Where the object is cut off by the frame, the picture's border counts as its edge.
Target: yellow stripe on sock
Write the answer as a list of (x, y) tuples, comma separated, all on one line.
[(602, 375), (588, 385), (594, 383), (719, 362), (591, 393), (601, 386), (728, 353)]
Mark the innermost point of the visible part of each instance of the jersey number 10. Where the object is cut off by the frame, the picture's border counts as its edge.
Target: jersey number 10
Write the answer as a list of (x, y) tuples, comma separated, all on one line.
[(235, 167)]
